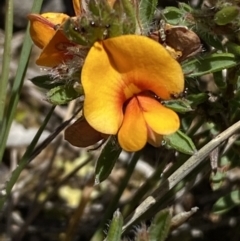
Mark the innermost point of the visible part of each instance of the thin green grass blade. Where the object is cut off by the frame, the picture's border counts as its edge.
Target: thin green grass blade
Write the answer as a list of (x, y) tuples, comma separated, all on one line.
[(114, 202), (6, 56), (17, 85), (171, 182), (24, 160)]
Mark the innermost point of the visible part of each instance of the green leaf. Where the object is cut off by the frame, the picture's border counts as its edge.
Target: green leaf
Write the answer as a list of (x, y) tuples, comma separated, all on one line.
[(107, 159), (100, 9), (217, 179), (185, 7), (196, 99), (72, 29), (146, 12), (61, 95), (127, 16), (160, 226), (226, 203), (85, 31), (172, 15), (116, 28), (233, 48), (181, 105), (226, 15), (181, 142), (211, 40), (115, 229), (45, 82), (220, 80), (209, 64)]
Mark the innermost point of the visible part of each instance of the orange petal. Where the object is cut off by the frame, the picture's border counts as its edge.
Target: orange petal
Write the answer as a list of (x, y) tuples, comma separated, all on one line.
[(42, 27), (77, 7), (81, 134), (116, 69), (145, 64), (111, 2), (103, 92), (160, 119), (55, 18), (132, 135), (56, 51)]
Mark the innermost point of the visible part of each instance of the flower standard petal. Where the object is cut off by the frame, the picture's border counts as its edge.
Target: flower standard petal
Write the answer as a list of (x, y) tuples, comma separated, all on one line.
[(159, 118), (132, 135), (42, 27), (145, 64), (103, 87)]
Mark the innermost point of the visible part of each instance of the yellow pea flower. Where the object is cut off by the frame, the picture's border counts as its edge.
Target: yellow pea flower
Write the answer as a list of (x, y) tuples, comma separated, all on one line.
[(46, 33), (120, 78)]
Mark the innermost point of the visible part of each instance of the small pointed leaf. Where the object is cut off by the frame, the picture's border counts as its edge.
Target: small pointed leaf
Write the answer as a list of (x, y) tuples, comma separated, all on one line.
[(217, 179), (115, 229), (45, 82), (219, 80), (211, 40), (107, 159), (172, 15), (181, 105), (209, 64), (61, 95), (185, 7), (72, 29), (146, 12), (226, 15), (127, 16), (233, 48), (100, 9), (181, 142), (196, 99), (160, 226), (226, 203)]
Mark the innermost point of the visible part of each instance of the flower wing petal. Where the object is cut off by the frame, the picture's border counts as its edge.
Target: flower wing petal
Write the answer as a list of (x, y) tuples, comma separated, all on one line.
[(146, 64), (103, 91), (42, 27), (160, 119), (132, 135), (55, 51)]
